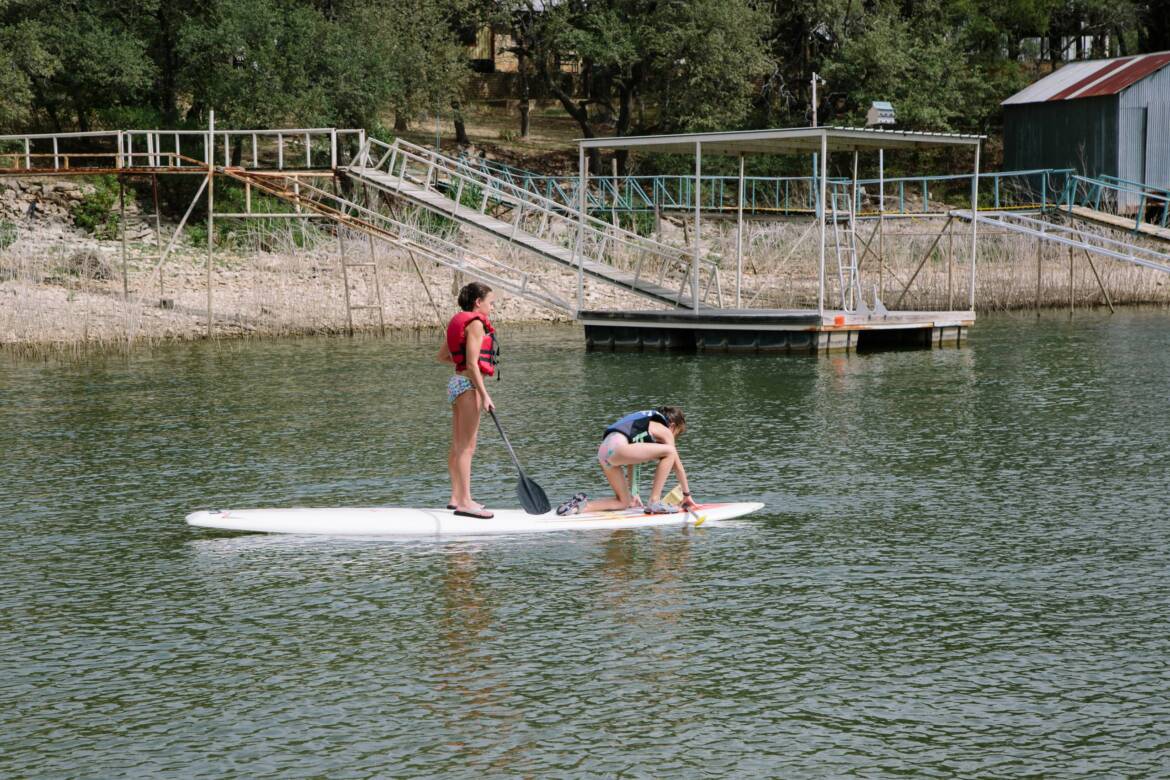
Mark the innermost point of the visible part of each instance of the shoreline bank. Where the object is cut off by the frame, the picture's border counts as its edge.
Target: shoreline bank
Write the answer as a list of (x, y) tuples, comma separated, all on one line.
[(63, 291)]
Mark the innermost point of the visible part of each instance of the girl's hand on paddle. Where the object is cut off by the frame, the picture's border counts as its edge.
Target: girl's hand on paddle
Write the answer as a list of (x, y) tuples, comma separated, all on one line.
[(635, 501), (688, 502), (485, 403)]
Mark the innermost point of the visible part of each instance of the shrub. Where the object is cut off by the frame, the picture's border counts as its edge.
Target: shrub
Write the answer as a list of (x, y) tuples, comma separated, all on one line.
[(97, 212), (7, 234)]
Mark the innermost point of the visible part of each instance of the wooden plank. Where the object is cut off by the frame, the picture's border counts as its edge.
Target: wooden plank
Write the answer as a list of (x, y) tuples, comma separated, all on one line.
[(1124, 223)]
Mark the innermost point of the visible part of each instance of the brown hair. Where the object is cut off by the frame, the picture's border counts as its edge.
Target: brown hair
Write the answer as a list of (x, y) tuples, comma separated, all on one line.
[(674, 416), (471, 293)]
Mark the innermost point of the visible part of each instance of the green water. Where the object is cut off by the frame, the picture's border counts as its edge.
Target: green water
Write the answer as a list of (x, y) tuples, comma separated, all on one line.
[(962, 569)]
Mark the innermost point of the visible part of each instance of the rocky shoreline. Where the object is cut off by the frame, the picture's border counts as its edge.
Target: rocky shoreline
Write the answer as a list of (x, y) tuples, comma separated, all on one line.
[(63, 289)]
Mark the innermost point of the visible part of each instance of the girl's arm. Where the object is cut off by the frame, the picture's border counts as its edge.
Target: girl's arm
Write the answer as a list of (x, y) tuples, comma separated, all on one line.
[(445, 354), (662, 434), (472, 345)]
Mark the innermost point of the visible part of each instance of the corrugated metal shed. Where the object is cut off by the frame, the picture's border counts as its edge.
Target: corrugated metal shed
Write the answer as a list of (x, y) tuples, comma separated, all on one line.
[(1102, 117)]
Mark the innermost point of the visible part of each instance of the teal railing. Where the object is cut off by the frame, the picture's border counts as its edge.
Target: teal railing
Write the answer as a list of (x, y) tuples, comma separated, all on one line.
[(1144, 204), (1039, 188)]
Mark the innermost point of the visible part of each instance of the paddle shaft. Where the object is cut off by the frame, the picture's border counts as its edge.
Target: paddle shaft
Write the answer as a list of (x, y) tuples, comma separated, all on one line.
[(507, 443)]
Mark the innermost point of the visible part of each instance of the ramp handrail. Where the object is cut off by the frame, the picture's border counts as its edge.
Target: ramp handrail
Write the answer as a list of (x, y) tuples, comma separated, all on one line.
[(1112, 195), (1073, 237), (592, 238)]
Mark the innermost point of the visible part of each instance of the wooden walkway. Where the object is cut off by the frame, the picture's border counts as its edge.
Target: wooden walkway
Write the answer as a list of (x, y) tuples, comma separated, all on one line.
[(1119, 222), (441, 204)]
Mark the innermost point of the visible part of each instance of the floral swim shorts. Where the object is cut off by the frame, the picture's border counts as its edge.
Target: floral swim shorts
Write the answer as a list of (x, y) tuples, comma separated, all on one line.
[(608, 446), (457, 386)]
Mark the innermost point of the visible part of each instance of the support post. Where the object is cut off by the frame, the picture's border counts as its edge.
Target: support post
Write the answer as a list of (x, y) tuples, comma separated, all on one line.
[(1071, 280), (698, 209), (1039, 271), (855, 282), (824, 169), (739, 236), (882, 222), (950, 267), (157, 228), (210, 208), (122, 226), (1100, 284), (974, 224), (582, 184), (613, 206)]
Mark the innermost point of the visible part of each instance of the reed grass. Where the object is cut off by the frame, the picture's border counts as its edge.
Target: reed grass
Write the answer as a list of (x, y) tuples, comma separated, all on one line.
[(284, 278)]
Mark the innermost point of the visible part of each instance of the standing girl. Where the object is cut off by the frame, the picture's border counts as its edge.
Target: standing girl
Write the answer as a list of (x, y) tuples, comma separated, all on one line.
[(471, 346)]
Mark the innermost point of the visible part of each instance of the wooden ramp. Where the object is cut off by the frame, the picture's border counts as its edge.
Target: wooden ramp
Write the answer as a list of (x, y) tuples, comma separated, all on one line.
[(1119, 222)]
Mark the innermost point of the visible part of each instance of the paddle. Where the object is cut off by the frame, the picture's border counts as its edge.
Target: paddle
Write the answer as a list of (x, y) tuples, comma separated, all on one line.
[(675, 496), (532, 498)]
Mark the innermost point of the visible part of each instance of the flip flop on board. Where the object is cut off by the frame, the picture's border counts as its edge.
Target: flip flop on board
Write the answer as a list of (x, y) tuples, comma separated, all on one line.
[(481, 514)]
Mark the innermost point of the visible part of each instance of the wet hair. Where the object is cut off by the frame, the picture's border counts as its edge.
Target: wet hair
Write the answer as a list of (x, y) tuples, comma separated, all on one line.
[(471, 293), (674, 416)]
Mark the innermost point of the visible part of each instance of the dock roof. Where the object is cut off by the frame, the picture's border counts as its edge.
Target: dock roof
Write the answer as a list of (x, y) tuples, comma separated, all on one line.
[(784, 141)]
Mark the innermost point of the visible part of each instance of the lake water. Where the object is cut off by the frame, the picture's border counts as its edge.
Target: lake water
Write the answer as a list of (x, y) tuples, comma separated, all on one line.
[(963, 568)]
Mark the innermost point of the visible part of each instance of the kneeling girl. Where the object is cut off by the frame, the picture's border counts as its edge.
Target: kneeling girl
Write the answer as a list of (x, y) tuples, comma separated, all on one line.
[(639, 437)]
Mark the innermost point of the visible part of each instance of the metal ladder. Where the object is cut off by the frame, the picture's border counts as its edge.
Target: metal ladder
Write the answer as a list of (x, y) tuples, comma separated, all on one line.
[(372, 266), (845, 243)]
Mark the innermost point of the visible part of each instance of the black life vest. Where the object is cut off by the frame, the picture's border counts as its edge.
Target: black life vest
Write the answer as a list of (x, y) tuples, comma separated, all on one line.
[(636, 426)]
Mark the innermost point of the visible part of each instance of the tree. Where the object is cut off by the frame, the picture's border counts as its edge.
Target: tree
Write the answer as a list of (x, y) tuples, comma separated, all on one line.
[(652, 65)]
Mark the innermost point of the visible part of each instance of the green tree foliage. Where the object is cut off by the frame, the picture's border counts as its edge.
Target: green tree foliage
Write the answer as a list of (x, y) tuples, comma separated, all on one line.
[(88, 64), (651, 66)]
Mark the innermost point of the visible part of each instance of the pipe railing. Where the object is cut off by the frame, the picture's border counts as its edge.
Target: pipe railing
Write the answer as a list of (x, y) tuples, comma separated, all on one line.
[(536, 215), (302, 149), (1038, 188), (1144, 204)]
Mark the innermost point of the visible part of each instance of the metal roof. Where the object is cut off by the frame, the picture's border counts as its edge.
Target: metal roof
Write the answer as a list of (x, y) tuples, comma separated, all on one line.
[(782, 141), (1092, 78)]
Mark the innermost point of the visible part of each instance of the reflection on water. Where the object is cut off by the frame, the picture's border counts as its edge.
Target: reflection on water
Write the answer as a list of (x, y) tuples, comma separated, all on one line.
[(961, 571)]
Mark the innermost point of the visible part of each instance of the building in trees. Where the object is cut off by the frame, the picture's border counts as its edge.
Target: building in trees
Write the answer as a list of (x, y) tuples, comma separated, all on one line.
[(1101, 117)]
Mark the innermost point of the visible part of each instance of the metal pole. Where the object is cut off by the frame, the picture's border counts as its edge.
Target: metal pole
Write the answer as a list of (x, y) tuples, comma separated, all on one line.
[(974, 223), (739, 235), (157, 227), (1070, 280), (882, 222), (122, 225), (210, 207), (821, 214), (698, 199), (1039, 270), (855, 282), (950, 267), (582, 183)]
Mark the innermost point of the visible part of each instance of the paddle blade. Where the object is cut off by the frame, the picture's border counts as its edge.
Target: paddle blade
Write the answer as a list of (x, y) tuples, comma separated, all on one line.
[(531, 496)]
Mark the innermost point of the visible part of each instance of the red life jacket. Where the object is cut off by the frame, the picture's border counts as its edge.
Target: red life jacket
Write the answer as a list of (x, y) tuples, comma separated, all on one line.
[(489, 350)]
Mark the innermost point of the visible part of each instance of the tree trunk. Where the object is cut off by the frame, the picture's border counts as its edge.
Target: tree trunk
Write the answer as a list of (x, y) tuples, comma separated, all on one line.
[(400, 122), (460, 128), (525, 105), (579, 112)]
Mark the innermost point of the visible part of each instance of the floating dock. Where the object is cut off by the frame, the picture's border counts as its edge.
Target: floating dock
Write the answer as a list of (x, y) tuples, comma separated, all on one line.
[(799, 331)]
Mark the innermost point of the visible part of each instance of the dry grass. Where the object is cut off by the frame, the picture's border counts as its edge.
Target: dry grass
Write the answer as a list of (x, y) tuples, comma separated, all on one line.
[(61, 292)]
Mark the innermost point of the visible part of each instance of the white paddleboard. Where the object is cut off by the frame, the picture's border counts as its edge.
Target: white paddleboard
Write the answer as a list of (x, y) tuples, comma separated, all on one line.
[(400, 521)]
